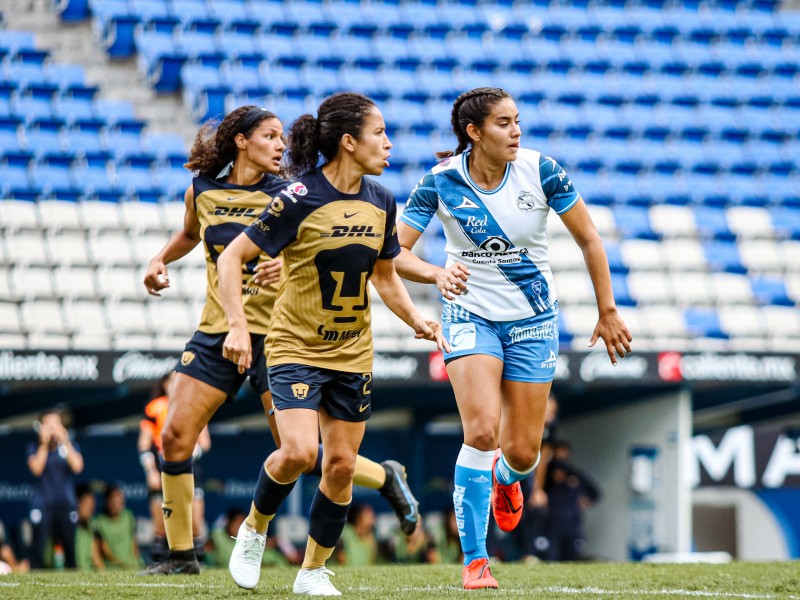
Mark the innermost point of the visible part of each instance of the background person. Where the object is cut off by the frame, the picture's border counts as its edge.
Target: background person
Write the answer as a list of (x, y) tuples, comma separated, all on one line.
[(87, 542), (116, 531), (54, 460)]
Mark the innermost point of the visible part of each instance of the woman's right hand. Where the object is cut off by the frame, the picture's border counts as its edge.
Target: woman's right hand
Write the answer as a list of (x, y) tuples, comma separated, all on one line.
[(156, 278), (237, 348), (452, 280)]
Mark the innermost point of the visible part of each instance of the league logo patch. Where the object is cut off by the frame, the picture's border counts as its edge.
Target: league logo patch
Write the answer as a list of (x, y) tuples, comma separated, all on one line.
[(298, 188), (187, 357), (300, 390), (525, 200)]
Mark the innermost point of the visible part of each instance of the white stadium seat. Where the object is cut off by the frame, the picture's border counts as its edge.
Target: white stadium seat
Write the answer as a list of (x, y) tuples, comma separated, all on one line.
[(44, 340), (68, 248), (110, 248), (10, 318), (29, 283), (6, 290), (146, 246), (684, 255), (664, 320), (673, 221), (575, 287), (142, 216), (691, 289), (75, 282), (791, 253), (18, 214), (764, 256), (603, 218), (120, 283), (743, 321), (27, 248), (56, 215), (580, 321), (137, 341), (128, 317), (13, 341), (650, 287), (173, 216), (565, 255), (170, 316), (43, 316), (729, 288), (750, 222), (98, 215), (642, 254), (781, 321), (86, 317)]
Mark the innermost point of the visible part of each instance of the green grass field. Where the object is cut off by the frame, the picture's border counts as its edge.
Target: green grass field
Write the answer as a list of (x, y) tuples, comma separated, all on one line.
[(560, 581)]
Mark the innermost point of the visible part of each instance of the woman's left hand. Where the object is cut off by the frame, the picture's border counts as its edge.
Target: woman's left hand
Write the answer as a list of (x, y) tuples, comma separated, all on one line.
[(268, 272), (615, 334), (431, 330)]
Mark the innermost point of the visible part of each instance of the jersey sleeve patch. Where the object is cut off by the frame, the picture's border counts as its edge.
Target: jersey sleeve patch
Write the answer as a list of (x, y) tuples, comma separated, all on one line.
[(276, 227), (557, 186)]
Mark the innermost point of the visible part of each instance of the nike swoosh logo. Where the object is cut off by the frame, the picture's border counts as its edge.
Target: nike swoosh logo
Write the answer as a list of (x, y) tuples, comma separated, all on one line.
[(510, 505), (363, 408), (346, 216)]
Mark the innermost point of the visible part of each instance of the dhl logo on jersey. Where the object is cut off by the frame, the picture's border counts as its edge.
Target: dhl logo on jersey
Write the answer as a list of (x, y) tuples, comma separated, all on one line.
[(233, 211), (339, 231)]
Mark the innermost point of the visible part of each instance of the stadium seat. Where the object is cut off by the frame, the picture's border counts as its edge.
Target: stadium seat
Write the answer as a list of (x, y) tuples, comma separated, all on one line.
[(741, 321), (771, 290), (703, 323), (645, 255), (72, 282), (673, 221), (10, 317), (110, 248), (762, 256), (87, 318), (574, 287), (27, 248), (17, 214), (43, 317), (650, 288), (731, 288), (129, 317), (684, 255), (723, 256), (29, 283)]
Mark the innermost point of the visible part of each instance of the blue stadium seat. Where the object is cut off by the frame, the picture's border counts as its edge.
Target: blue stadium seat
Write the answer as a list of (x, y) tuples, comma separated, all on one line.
[(73, 109), (786, 221), (712, 223), (703, 323), (771, 290), (634, 222), (723, 256), (172, 182), (15, 182)]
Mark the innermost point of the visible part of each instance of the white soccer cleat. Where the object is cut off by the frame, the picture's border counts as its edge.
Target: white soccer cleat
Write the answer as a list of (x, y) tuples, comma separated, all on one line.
[(315, 582), (245, 565)]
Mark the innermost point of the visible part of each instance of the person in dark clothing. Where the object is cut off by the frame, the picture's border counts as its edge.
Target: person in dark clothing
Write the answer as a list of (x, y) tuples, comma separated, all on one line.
[(54, 460), (569, 493)]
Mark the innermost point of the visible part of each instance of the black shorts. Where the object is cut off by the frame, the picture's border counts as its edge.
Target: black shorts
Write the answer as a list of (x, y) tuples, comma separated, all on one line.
[(202, 359), (345, 396)]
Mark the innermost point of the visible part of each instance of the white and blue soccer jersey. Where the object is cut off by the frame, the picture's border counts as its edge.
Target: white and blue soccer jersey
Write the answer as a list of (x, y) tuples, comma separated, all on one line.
[(501, 235)]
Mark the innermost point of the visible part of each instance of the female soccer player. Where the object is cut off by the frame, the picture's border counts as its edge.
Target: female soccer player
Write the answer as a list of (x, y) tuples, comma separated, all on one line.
[(336, 230), (236, 179), (500, 313)]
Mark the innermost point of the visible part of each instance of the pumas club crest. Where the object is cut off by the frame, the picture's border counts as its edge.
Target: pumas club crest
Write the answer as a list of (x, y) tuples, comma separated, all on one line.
[(525, 200)]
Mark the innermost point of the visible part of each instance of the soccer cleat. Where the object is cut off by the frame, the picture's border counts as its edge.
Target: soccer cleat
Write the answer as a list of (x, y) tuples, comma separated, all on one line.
[(507, 500), (476, 575), (399, 496), (315, 582), (173, 566), (245, 563)]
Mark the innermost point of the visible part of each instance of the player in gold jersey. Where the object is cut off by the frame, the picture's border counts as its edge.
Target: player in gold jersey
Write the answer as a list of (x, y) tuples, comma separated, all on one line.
[(335, 229), (236, 169)]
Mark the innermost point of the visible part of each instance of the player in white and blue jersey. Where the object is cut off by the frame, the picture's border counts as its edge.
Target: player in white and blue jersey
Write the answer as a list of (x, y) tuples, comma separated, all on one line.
[(500, 312)]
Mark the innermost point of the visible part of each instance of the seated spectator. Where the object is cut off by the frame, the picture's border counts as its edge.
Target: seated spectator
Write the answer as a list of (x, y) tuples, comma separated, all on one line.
[(448, 545), (116, 527), (417, 548), (358, 545), (8, 560), (87, 540)]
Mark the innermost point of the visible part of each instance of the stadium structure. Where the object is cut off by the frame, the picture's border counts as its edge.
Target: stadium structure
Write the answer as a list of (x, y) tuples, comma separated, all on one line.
[(678, 121)]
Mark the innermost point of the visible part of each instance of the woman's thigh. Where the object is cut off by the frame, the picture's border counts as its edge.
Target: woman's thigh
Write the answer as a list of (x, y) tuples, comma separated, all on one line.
[(476, 381)]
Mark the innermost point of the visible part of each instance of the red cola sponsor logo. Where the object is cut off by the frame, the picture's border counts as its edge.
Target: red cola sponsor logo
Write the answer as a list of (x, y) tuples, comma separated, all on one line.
[(710, 366), (598, 366)]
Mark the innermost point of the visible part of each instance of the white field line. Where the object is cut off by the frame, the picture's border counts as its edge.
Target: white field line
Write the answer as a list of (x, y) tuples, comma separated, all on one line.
[(100, 584), (567, 591)]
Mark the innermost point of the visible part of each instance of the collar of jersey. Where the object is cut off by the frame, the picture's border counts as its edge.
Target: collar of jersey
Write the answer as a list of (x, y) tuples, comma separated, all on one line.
[(475, 185)]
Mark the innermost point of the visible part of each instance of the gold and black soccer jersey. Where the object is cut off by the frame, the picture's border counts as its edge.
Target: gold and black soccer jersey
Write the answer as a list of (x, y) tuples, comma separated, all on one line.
[(330, 242), (224, 211)]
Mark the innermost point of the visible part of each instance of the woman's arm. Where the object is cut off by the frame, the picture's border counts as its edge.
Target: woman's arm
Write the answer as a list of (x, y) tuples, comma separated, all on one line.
[(229, 269), (610, 325), (179, 245), (395, 296), (449, 281)]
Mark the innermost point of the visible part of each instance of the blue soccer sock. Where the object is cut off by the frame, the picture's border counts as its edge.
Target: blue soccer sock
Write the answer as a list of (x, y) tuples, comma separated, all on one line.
[(473, 486), (506, 475)]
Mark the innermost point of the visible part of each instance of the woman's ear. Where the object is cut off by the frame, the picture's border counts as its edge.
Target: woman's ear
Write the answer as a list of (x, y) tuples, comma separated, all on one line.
[(473, 132), (241, 141), (348, 142)]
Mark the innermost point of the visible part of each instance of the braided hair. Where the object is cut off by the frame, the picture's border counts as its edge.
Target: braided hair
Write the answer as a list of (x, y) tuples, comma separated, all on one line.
[(215, 144), (471, 107), (339, 114)]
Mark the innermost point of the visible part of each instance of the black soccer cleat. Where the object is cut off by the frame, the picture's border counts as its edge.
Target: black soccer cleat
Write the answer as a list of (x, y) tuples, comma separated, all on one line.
[(399, 496), (173, 566)]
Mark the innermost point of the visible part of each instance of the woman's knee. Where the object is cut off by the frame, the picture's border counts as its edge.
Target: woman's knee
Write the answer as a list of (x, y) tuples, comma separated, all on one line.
[(521, 456), (339, 467), (299, 458), (481, 434), (177, 443)]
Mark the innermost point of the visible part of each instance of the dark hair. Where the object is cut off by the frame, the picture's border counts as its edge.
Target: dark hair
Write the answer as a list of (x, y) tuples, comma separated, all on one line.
[(471, 107), (160, 386), (356, 509), (83, 489), (337, 115), (214, 146)]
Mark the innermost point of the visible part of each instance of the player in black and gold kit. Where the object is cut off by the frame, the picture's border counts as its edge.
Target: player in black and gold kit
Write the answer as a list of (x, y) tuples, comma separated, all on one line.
[(235, 179), (336, 231)]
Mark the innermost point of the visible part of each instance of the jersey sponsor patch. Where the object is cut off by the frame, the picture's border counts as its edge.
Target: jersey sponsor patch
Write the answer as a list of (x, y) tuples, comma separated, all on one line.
[(462, 336)]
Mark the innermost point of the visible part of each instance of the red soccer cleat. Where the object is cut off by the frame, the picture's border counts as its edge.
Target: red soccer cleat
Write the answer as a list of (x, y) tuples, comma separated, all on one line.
[(507, 501), (476, 575)]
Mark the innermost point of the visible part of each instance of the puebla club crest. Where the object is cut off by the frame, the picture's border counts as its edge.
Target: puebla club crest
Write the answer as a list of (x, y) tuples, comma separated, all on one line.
[(525, 200)]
